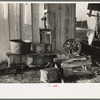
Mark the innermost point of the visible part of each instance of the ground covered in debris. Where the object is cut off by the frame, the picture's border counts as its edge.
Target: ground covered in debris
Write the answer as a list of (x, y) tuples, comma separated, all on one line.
[(32, 75), (24, 75)]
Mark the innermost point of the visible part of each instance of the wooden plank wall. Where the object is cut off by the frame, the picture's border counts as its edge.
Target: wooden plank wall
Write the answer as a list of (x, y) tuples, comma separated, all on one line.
[(23, 20), (61, 19), (4, 31), (16, 23)]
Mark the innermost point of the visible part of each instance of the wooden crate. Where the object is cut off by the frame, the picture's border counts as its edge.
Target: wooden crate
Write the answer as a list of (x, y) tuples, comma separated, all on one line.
[(50, 75)]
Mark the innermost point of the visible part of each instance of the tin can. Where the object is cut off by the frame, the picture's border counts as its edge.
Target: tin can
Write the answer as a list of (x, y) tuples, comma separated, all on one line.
[(40, 48)]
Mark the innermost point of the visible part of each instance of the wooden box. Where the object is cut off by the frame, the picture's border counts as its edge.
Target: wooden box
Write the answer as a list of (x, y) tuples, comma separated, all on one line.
[(50, 75)]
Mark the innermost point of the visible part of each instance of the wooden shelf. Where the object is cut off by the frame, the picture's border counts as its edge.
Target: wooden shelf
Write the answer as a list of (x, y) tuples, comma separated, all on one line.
[(33, 53), (11, 53), (43, 54)]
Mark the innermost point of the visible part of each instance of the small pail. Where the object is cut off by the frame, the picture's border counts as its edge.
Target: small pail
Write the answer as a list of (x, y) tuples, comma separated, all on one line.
[(20, 47), (40, 48), (15, 46)]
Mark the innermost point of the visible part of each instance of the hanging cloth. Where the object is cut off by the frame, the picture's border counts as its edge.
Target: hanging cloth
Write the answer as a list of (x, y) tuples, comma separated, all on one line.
[(95, 8), (93, 23)]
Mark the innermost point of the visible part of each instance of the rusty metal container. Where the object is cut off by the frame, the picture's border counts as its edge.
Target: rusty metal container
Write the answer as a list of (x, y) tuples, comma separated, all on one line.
[(40, 48), (45, 36)]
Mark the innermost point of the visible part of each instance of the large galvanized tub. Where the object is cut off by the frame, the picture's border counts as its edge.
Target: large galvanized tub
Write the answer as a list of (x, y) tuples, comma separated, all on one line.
[(20, 47), (15, 46)]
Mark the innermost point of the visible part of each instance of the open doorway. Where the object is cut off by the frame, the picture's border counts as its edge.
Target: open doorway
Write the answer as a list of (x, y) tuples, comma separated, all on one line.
[(81, 21), (87, 21)]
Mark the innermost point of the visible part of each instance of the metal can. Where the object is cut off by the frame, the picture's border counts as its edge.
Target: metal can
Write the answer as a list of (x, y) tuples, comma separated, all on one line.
[(40, 48)]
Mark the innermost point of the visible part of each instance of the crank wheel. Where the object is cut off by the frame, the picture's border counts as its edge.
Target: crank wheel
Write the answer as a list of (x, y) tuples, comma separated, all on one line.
[(71, 47)]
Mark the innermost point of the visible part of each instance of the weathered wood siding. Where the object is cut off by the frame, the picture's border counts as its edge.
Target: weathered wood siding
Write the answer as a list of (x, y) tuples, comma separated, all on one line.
[(61, 19), (4, 31), (23, 21)]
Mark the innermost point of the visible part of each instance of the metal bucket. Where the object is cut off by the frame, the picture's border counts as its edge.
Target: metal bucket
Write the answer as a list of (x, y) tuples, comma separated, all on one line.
[(15, 46), (26, 46), (20, 47), (40, 48), (45, 36)]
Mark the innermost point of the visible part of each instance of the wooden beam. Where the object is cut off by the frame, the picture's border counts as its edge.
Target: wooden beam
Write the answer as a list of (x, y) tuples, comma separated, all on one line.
[(35, 27), (4, 31), (14, 15), (26, 24)]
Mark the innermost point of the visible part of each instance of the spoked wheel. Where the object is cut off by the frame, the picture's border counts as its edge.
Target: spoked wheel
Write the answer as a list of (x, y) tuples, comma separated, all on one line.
[(71, 47)]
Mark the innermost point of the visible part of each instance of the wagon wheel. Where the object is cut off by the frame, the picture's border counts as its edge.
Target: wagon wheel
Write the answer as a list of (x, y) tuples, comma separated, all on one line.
[(71, 47)]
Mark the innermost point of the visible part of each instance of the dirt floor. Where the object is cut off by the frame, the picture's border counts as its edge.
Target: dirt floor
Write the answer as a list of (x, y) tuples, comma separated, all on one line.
[(32, 75), (24, 75)]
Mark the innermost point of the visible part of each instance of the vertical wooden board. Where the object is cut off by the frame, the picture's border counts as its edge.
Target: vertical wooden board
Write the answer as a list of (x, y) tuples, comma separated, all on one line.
[(1, 33), (57, 9), (67, 22), (54, 20), (26, 22), (4, 31), (6, 25), (14, 34), (68, 18), (73, 10), (6, 28), (61, 23), (51, 22), (71, 20), (35, 23), (11, 20), (64, 23), (41, 14), (18, 20)]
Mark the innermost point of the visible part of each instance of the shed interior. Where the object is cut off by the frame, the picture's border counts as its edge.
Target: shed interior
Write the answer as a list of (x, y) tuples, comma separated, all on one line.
[(32, 35)]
